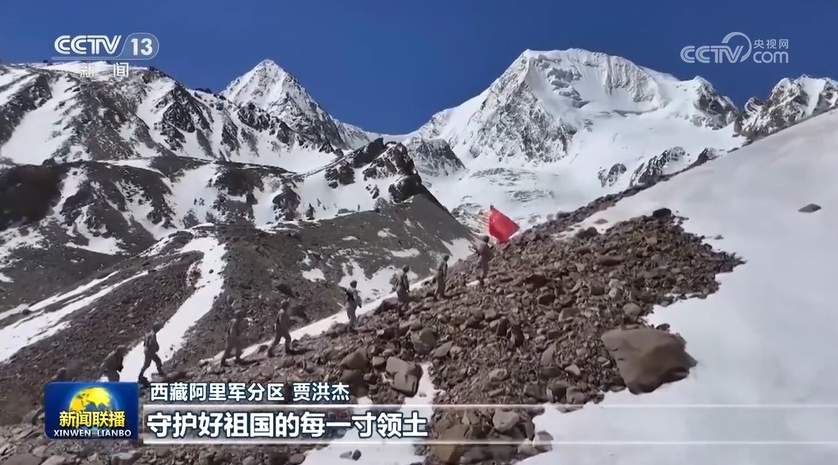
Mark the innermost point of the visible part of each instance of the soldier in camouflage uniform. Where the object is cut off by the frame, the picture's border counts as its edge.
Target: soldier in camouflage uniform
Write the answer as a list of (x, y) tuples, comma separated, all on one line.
[(484, 253), (353, 301), (441, 276), (112, 364), (402, 286), (150, 349), (282, 329), (235, 335)]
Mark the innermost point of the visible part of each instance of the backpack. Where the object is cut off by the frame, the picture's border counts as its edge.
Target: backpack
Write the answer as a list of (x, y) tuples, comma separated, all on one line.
[(350, 297), (150, 342)]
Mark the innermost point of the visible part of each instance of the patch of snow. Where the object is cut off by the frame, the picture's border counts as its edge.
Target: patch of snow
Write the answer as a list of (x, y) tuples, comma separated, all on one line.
[(764, 387), (41, 127), (14, 311), (209, 286), (370, 287), (315, 274), (36, 327), (67, 295), (405, 253), (384, 233)]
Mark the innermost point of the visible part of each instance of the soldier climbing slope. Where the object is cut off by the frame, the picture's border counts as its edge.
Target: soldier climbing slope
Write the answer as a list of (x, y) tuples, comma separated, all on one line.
[(441, 276), (310, 212), (150, 348), (112, 364), (235, 339), (484, 254), (402, 287), (353, 300), (282, 329)]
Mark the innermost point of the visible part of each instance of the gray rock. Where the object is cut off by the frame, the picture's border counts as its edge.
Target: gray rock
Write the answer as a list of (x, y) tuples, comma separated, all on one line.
[(647, 358), (423, 341), (548, 356), (610, 260), (525, 449), (575, 395), (498, 374), (351, 455), (22, 459), (125, 458), (450, 453), (573, 370), (250, 460), (397, 365), (811, 208), (557, 390), (406, 382), (443, 350), (632, 310), (543, 441), (504, 420), (356, 360), (587, 233), (536, 391), (55, 460), (662, 213)]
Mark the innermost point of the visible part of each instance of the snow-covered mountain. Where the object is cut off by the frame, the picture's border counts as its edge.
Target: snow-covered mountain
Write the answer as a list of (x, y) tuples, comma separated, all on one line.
[(791, 101), (122, 163), (53, 111), (269, 87), (546, 105), (547, 133)]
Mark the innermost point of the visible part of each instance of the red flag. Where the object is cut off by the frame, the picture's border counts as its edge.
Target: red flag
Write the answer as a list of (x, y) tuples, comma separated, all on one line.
[(500, 226)]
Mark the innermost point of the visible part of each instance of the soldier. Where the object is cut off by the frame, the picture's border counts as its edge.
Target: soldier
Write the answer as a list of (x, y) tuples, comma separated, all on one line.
[(441, 276), (234, 339), (60, 375), (353, 300), (282, 327), (310, 212), (150, 348), (484, 254), (403, 286), (113, 363)]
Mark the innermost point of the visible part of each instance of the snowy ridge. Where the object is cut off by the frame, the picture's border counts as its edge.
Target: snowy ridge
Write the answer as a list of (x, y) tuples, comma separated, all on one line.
[(790, 101), (269, 87), (535, 141), (754, 385)]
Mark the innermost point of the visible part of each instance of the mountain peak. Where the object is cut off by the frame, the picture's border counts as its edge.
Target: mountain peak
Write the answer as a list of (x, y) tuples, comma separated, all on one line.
[(271, 88), (266, 86)]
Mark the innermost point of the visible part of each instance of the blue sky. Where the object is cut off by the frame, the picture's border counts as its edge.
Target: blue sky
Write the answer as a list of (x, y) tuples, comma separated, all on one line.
[(389, 65)]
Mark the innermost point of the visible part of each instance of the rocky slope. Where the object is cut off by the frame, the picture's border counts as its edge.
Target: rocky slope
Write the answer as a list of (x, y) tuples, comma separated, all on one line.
[(540, 331), (186, 279)]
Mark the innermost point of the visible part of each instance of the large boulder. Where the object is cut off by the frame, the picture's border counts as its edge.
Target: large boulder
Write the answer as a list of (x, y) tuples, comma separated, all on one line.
[(647, 358), (406, 383), (450, 452), (504, 420), (356, 360), (396, 365)]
